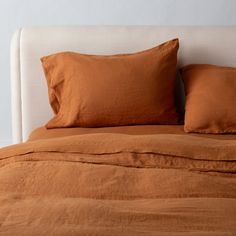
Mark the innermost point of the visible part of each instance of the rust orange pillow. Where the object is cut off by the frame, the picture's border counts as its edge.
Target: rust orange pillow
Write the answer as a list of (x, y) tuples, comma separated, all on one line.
[(126, 89), (210, 98)]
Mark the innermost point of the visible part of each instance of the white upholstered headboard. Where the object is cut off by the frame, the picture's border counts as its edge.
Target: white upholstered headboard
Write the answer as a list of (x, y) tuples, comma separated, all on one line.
[(30, 107)]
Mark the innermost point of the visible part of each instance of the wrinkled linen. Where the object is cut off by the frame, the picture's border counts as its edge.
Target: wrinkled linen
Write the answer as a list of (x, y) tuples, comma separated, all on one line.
[(119, 184), (112, 90)]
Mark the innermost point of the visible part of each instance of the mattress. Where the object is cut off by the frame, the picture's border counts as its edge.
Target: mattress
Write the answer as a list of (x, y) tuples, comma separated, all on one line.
[(133, 180)]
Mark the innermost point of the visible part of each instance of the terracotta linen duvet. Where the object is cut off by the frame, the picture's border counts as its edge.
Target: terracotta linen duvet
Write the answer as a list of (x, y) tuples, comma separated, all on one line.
[(144, 180)]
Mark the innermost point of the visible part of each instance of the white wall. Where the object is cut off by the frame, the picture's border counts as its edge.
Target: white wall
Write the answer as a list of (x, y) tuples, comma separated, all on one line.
[(18, 13)]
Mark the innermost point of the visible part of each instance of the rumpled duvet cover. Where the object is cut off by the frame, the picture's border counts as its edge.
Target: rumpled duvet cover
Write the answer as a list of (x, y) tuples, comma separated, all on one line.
[(134, 181)]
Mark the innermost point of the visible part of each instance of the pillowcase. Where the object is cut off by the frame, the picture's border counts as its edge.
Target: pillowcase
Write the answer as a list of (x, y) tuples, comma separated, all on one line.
[(210, 98), (126, 89)]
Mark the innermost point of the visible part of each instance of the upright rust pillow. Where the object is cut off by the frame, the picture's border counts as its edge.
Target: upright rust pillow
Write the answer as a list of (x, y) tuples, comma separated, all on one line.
[(128, 89), (210, 98)]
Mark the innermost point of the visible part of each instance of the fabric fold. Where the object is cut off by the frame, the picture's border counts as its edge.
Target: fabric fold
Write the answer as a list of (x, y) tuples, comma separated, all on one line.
[(156, 151)]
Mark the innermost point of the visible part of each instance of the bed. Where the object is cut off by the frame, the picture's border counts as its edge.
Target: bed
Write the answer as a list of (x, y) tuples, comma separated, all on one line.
[(127, 180)]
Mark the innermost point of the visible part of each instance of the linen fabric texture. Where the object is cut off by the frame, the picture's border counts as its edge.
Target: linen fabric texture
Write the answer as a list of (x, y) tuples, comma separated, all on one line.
[(125, 89), (210, 99)]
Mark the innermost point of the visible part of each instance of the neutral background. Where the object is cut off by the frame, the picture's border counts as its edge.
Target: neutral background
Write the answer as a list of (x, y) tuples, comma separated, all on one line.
[(19, 13)]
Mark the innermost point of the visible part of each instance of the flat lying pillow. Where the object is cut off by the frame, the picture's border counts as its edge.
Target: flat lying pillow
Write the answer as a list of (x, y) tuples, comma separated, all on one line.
[(127, 89), (210, 98)]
